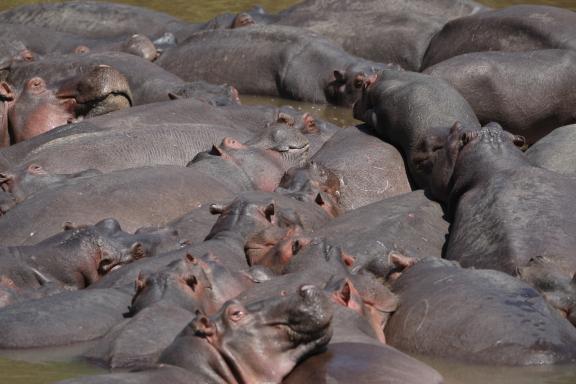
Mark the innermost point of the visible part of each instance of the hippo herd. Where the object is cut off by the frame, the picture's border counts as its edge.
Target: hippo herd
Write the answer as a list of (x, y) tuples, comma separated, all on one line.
[(193, 239)]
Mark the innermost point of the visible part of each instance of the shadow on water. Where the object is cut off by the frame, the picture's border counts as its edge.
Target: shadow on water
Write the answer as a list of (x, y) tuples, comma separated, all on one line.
[(46, 366)]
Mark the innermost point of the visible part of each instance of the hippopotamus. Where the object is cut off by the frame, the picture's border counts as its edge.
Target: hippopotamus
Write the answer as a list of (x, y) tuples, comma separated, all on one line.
[(35, 106), (476, 315), (486, 232), (244, 168), (254, 222), (381, 235), (162, 374), (370, 171), (516, 28), (254, 15), (555, 151), (289, 62), (45, 42), (495, 85), (120, 194), (167, 122), (13, 51), (408, 26), (258, 342), (26, 181), (79, 256), (414, 112), (62, 319), (97, 19)]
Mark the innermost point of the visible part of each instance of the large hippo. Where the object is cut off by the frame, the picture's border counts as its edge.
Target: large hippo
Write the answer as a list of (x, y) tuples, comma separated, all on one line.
[(490, 176), (414, 112), (528, 93), (288, 62), (480, 316), (516, 28), (555, 151), (119, 194), (384, 31)]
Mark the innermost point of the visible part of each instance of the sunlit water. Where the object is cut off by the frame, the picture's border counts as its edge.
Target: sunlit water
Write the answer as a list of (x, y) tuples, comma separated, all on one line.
[(50, 365)]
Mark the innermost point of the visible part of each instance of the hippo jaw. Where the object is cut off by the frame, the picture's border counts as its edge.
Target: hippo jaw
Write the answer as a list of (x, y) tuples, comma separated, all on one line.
[(262, 342)]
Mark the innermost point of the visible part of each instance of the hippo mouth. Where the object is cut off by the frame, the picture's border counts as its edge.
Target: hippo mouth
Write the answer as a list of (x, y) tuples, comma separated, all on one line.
[(292, 148), (317, 336), (107, 266), (79, 106)]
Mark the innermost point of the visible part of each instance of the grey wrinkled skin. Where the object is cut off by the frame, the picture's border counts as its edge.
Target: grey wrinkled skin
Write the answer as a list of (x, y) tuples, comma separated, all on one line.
[(555, 151)]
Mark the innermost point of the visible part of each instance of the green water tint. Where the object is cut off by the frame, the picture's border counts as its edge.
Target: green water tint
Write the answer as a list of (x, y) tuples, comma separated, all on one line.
[(49, 366)]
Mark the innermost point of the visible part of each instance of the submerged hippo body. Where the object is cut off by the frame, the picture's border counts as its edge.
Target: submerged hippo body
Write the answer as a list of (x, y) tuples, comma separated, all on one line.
[(555, 151), (516, 28), (288, 62), (497, 87), (480, 316), (120, 194), (414, 112), (61, 319)]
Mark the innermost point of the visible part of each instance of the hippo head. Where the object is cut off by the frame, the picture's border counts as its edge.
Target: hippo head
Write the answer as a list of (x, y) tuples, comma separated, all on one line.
[(216, 95), (556, 284), (282, 137), (313, 183), (140, 45), (259, 223), (366, 296), (347, 84), (471, 155), (26, 180), (264, 340), (277, 257), (242, 20), (253, 168), (105, 246), (180, 283), (38, 109)]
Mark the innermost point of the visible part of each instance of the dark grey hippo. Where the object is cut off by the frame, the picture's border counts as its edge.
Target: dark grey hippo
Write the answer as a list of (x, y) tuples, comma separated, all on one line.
[(528, 93), (555, 151), (481, 316)]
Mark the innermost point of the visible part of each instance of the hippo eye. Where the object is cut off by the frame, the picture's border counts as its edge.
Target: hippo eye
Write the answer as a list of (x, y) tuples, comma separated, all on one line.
[(358, 83), (236, 315), (36, 83)]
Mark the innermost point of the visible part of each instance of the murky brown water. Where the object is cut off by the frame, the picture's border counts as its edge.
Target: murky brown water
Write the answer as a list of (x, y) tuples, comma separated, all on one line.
[(49, 366)]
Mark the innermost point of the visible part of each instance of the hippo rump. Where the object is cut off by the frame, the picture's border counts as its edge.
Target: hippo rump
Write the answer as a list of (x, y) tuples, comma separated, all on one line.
[(528, 93), (516, 28), (480, 316), (490, 177), (555, 151), (414, 112), (407, 26), (119, 194), (288, 62)]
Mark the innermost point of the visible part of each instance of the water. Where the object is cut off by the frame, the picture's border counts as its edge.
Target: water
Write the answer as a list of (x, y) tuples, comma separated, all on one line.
[(51, 365)]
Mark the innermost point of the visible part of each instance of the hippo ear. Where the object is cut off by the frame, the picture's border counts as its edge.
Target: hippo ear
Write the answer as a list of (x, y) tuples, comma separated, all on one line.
[(216, 209), (399, 263), (6, 92), (190, 259), (6, 182), (216, 151), (173, 96), (349, 297), (285, 118), (202, 326), (139, 283), (347, 259), (269, 212), (340, 76), (36, 169), (137, 251)]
